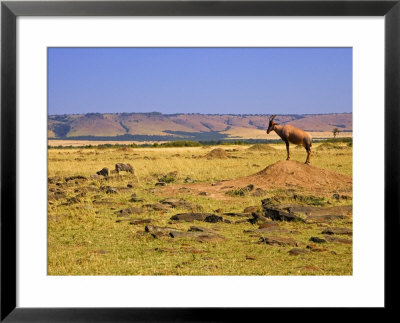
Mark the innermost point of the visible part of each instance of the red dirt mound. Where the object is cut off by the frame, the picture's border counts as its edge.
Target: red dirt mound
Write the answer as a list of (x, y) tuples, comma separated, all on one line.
[(281, 175), (286, 174), (262, 147), (217, 153)]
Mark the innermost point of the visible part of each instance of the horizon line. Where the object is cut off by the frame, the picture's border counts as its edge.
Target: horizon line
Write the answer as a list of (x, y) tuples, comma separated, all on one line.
[(199, 113)]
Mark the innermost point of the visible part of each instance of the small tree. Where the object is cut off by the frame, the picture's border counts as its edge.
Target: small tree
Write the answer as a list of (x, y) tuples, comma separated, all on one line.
[(335, 132)]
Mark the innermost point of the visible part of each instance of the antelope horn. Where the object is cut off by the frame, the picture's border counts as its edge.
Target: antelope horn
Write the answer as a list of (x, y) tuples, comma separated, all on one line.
[(272, 117)]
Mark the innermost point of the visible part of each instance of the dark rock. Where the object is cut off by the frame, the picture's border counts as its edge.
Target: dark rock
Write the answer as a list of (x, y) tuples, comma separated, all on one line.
[(77, 177), (158, 207), (182, 204), (336, 196), (73, 200), (237, 214), (53, 180), (337, 231), (141, 221), (277, 240), (257, 218), (269, 201), (335, 239), (213, 218), (173, 202), (309, 211), (136, 199), (120, 167), (122, 220), (111, 190), (298, 251), (203, 193), (197, 233), (190, 217), (317, 240), (199, 229), (103, 172), (158, 232), (324, 218), (160, 184), (280, 215), (108, 189), (129, 185)]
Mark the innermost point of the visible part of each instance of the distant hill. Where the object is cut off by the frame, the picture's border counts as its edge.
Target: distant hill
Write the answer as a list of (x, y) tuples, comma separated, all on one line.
[(157, 126)]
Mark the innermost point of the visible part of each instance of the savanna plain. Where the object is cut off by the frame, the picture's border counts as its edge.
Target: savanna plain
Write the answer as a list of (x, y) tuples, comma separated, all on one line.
[(206, 210)]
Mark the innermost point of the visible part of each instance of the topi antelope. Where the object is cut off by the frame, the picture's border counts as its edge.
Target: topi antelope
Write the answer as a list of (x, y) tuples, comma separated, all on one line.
[(291, 134)]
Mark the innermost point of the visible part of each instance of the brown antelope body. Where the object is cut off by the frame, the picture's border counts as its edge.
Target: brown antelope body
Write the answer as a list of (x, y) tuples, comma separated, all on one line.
[(290, 134)]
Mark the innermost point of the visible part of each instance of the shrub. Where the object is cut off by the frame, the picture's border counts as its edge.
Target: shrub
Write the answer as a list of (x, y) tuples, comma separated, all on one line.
[(181, 143)]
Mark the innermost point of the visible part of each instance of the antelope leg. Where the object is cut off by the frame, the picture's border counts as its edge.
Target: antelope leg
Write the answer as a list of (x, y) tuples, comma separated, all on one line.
[(287, 150), (308, 156)]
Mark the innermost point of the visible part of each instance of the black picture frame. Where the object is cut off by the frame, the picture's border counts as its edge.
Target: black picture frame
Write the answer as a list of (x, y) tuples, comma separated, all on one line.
[(10, 10)]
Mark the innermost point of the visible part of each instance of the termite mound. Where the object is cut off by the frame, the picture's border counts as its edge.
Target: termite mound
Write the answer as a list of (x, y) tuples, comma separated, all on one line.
[(280, 175), (217, 153), (262, 147), (284, 174)]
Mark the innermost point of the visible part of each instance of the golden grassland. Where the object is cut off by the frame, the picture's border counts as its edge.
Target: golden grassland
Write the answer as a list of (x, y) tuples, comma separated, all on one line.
[(85, 237)]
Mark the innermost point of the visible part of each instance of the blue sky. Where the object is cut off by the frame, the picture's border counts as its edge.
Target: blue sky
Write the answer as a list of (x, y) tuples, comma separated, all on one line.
[(200, 80)]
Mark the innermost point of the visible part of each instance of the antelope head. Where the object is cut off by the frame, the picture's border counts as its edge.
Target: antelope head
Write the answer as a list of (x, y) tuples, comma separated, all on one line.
[(271, 123)]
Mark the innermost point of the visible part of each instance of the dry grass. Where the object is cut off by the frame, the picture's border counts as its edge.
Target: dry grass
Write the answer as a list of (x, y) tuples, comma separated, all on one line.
[(85, 239)]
